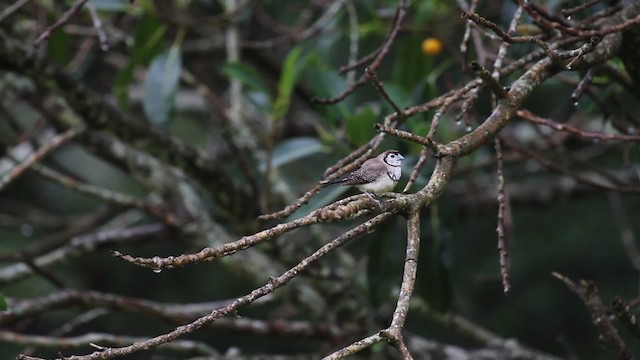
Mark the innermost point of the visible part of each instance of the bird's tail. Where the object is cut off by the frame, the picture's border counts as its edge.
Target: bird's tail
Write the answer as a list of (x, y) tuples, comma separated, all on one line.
[(331, 182)]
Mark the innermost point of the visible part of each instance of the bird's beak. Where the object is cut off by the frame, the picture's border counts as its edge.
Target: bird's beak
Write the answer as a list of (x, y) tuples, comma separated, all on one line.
[(401, 157)]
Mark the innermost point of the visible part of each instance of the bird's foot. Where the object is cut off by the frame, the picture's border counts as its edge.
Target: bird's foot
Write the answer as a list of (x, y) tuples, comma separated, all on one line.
[(381, 204)]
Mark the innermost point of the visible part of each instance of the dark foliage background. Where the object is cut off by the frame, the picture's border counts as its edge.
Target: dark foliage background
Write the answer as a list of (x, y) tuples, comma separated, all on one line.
[(249, 107)]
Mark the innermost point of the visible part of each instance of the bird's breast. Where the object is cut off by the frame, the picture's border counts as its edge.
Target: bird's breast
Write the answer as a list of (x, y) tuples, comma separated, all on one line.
[(380, 185)]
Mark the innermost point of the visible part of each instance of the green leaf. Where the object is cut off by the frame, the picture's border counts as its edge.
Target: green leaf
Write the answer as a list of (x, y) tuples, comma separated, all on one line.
[(292, 67), (3, 303), (360, 127), (417, 125), (247, 75), (111, 5), (434, 280), (294, 149), (384, 263), (400, 96), (161, 84), (58, 47), (147, 45), (327, 83), (411, 64)]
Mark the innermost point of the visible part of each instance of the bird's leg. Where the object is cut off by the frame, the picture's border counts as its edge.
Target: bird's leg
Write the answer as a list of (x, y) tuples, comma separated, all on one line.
[(380, 203)]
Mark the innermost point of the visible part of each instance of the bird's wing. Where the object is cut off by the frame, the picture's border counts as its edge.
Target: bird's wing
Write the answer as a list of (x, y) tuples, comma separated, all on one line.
[(365, 174)]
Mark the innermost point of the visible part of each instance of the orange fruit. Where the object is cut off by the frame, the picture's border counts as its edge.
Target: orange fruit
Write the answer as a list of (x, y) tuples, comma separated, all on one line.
[(431, 46)]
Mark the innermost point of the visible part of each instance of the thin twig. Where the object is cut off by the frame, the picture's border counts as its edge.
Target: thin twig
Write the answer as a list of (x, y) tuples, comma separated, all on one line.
[(365, 59), (312, 30), (467, 31), (565, 171), (12, 8), (88, 189), (402, 134), (377, 61), (54, 239), (582, 86), (588, 47), (61, 21), (544, 22), (354, 36), (378, 84), (626, 315), (503, 252), (570, 11), (489, 80), (424, 153), (37, 155), (97, 25), (529, 116), (175, 314), (394, 332), (627, 235), (355, 347), (502, 51), (78, 246), (60, 343), (588, 293)]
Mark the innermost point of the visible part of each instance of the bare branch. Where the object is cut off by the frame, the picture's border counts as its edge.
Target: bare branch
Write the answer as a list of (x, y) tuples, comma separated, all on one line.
[(588, 293), (74, 9), (527, 115), (12, 9), (384, 49), (60, 343), (502, 207), (78, 246), (36, 156), (275, 283)]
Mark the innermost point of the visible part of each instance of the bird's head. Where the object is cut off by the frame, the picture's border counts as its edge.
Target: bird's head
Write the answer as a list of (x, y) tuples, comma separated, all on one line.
[(392, 157)]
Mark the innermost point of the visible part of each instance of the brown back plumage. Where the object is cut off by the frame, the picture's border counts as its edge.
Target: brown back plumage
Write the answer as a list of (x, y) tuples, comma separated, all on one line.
[(368, 172)]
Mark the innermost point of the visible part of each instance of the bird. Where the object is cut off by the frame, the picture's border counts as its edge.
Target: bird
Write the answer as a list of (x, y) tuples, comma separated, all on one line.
[(376, 175)]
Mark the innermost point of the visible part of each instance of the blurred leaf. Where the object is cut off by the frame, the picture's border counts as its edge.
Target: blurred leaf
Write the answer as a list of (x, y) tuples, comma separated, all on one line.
[(247, 75), (326, 135), (160, 85), (384, 263), (411, 65), (327, 83), (419, 126), (398, 94), (183, 4), (434, 281), (260, 100), (379, 285), (58, 47), (428, 10), (111, 5), (291, 68), (3, 303), (294, 149), (438, 70), (147, 45), (359, 127)]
